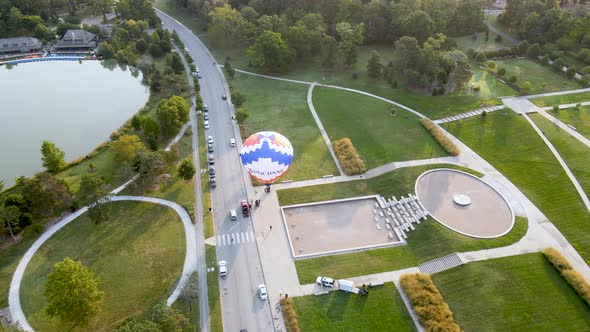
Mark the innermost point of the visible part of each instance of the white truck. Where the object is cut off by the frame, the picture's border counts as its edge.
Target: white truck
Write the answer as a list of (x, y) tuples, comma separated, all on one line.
[(347, 286)]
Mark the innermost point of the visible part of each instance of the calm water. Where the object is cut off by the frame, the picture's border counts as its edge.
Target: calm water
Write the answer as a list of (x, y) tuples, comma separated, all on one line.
[(75, 105)]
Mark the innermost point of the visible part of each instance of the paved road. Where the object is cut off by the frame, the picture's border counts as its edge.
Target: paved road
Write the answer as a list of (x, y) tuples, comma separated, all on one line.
[(241, 306)]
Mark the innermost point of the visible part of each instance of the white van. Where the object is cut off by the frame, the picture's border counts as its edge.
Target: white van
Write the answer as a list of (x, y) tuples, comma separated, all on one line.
[(233, 215), (232, 142)]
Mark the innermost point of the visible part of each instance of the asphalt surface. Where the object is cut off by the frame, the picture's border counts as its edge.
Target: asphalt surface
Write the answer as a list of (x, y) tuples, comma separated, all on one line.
[(241, 306)]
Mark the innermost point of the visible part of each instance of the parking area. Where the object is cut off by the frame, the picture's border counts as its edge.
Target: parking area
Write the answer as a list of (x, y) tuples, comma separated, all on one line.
[(336, 226)]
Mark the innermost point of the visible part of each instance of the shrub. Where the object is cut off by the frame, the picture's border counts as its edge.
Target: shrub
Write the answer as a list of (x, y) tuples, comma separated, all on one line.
[(355, 76), (190, 209), (501, 52), (526, 87), (440, 136), (434, 313), (491, 65), (349, 158), (513, 79), (484, 114), (498, 38), (476, 88), (501, 72), (559, 63), (571, 72), (290, 316), (480, 57), (555, 108), (573, 277), (545, 59), (37, 228), (585, 70)]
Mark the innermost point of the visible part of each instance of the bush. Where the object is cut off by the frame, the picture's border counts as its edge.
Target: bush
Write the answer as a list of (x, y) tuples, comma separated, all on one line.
[(491, 64), (476, 88), (501, 72), (585, 70), (480, 57), (559, 63), (571, 72), (37, 228), (349, 158), (555, 108), (513, 79), (440, 136), (190, 209), (290, 315), (545, 59), (500, 53), (355, 76), (434, 313), (573, 278), (498, 38)]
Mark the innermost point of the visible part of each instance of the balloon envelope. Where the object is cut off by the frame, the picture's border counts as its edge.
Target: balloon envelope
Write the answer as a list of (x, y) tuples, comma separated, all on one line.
[(267, 155)]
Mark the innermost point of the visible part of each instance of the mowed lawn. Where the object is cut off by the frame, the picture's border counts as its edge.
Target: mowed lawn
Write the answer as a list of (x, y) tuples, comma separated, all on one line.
[(489, 85), (510, 144), (579, 119), (430, 240), (282, 107), (379, 137), (382, 310), (213, 290), (561, 99), (480, 43), (537, 74), (575, 154), (138, 254), (516, 293)]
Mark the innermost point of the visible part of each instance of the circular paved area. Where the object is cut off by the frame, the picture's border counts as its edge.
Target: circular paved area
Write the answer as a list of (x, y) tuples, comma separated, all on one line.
[(464, 203)]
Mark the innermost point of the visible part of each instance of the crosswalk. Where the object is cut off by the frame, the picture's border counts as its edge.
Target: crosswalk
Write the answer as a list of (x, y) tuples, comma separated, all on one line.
[(235, 238)]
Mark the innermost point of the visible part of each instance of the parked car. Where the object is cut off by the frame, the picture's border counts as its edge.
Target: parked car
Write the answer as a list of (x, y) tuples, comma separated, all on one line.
[(206, 116), (210, 139), (222, 268), (325, 281), (205, 108), (211, 160), (262, 292), (212, 181), (206, 124), (210, 148), (245, 208), (224, 97), (186, 49), (199, 75), (232, 142), (211, 170), (233, 215)]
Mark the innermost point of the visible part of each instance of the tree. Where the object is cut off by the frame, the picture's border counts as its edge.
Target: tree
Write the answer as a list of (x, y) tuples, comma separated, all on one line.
[(106, 50), (523, 47), (150, 126), (350, 37), (329, 51), (45, 193), (53, 157), (92, 188), (513, 79), (149, 165), (167, 318), (526, 87), (136, 122), (420, 25), (534, 51), (138, 325), (191, 290), (571, 72), (126, 147), (374, 67), (73, 293), (237, 98), (172, 114), (227, 26), (271, 52), (229, 70), (480, 57), (102, 7), (9, 216), (176, 63), (186, 169), (242, 115), (501, 71)]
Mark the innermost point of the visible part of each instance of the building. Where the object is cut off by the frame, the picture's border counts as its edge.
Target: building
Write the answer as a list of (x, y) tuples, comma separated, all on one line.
[(77, 40), (19, 45)]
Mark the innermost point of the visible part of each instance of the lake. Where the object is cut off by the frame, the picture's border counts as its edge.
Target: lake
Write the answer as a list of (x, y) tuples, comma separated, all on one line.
[(74, 105)]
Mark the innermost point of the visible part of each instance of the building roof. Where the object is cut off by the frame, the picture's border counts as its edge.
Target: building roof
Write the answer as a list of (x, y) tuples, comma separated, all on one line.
[(77, 38), (18, 44)]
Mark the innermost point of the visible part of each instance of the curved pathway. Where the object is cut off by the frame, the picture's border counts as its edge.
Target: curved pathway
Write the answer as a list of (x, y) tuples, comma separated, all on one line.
[(16, 310)]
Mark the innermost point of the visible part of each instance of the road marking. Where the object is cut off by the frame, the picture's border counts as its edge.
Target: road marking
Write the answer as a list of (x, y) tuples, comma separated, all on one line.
[(235, 238), (252, 235), (238, 238), (242, 237)]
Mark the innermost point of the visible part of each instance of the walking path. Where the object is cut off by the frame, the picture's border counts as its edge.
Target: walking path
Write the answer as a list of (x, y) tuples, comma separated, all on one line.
[(504, 35), (180, 133), (321, 127), (14, 303), (469, 114), (566, 127), (565, 106)]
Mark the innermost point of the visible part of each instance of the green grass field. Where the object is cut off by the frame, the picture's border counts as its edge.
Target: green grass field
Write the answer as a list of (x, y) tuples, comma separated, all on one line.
[(379, 137), (561, 99), (480, 44), (517, 293), (9, 259), (579, 119), (282, 107), (137, 259), (537, 74), (440, 240), (508, 142), (488, 84), (575, 154), (382, 310), (213, 290), (493, 20), (105, 165)]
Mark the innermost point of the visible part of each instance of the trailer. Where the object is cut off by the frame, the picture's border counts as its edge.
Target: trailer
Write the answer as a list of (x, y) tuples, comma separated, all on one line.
[(347, 286)]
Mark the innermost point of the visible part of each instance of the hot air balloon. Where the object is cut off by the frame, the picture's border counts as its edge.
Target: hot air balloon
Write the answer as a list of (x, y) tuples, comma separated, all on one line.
[(267, 155)]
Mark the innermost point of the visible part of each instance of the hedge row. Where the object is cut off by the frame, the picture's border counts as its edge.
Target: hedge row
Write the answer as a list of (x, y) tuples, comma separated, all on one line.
[(290, 316), (440, 136), (349, 158), (575, 279), (434, 313)]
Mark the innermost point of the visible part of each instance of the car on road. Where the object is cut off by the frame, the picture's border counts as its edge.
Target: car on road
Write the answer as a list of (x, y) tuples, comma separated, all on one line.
[(211, 160), (211, 170), (325, 281), (224, 97), (210, 148), (206, 116), (210, 139), (212, 181), (197, 70), (199, 75), (233, 215), (205, 108), (262, 292), (186, 49), (245, 208), (206, 124), (222, 268), (232, 142)]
